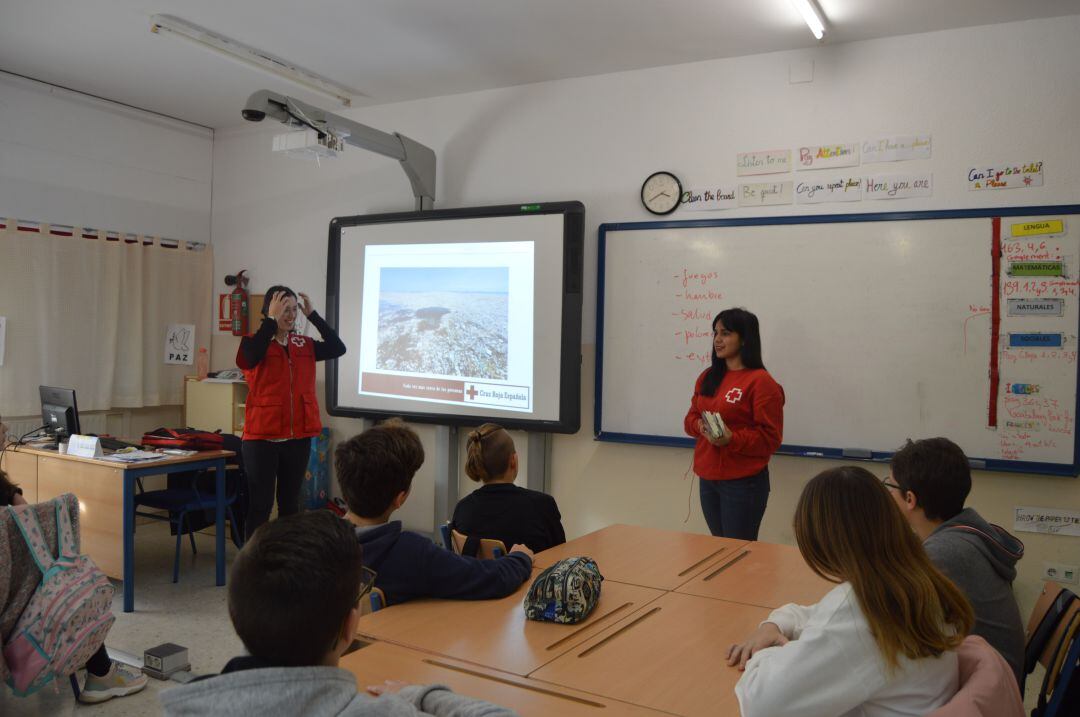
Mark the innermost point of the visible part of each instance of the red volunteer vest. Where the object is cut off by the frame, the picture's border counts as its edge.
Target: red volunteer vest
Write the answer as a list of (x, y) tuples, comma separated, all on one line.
[(281, 399)]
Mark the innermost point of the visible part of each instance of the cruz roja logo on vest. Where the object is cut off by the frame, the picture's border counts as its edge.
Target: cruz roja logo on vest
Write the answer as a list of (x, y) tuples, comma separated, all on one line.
[(734, 395)]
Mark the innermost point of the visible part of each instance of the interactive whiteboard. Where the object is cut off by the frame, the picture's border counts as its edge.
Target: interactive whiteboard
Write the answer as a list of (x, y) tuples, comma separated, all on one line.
[(880, 327)]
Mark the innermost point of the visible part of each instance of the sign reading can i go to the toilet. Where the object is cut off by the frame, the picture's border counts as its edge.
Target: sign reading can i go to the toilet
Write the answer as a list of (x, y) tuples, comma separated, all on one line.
[(1036, 307), (1037, 268), (1037, 340)]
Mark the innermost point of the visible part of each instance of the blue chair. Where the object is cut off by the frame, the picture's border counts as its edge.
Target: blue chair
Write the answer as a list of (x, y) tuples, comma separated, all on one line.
[(179, 503)]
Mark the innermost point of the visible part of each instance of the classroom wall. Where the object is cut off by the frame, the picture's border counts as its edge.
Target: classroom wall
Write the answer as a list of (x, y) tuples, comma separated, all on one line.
[(72, 159), (996, 93)]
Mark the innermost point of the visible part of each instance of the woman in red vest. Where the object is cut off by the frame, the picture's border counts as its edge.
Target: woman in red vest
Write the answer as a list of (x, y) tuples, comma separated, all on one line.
[(282, 413), (734, 466)]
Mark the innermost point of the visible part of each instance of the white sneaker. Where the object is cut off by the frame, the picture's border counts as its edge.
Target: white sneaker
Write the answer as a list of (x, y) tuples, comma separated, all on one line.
[(120, 681)]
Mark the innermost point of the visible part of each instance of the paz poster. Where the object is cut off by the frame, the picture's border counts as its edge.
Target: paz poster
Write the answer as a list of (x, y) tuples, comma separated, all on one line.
[(179, 344), (826, 156), (1006, 176)]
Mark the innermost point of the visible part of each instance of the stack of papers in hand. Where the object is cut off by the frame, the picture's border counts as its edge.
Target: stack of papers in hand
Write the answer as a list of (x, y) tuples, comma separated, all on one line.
[(134, 456)]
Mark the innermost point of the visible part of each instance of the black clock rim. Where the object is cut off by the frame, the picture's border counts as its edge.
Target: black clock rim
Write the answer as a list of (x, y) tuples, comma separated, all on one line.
[(674, 206)]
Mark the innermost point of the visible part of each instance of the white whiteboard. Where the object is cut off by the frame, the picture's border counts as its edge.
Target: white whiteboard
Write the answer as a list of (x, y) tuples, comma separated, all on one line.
[(879, 328)]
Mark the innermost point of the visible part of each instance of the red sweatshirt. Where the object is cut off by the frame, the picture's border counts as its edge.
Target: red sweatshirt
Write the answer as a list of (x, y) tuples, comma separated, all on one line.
[(752, 405)]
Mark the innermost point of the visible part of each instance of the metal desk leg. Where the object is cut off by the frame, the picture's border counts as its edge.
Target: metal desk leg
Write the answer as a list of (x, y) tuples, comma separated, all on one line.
[(129, 542), (219, 485)]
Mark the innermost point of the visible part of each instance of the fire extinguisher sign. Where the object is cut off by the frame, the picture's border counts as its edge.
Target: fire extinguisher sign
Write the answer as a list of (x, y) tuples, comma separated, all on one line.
[(179, 344), (224, 314)]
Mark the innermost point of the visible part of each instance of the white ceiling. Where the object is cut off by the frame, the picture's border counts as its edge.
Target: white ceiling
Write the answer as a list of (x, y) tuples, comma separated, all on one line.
[(394, 50)]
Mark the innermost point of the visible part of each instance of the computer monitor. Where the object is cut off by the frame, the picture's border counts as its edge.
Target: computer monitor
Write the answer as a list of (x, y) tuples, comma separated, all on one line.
[(59, 412)]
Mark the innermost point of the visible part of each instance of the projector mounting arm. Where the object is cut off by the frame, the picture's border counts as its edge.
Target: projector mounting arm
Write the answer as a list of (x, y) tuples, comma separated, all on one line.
[(417, 160)]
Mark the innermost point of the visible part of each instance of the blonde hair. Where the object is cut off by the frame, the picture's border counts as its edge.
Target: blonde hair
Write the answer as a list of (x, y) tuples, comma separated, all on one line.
[(849, 529), (488, 452)]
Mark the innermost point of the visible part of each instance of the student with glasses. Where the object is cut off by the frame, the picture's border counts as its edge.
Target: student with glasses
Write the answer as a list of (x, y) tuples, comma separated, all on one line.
[(930, 481), (294, 597), (883, 641)]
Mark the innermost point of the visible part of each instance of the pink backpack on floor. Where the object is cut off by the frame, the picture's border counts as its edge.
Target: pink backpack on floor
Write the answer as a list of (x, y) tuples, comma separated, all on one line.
[(68, 615)]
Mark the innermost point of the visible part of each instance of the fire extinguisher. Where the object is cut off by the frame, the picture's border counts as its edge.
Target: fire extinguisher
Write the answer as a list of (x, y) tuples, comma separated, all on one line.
[(238, 303)]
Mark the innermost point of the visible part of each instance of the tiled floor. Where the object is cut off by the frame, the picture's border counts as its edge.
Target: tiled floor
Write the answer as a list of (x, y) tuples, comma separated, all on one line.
[(191, 613)]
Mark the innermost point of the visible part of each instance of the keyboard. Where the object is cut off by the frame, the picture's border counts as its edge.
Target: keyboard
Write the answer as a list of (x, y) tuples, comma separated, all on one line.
[(114, 444)]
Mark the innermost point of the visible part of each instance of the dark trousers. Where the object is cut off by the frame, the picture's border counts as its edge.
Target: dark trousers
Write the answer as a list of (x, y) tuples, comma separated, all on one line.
[(274, 467), (734, 508), (99, 663)]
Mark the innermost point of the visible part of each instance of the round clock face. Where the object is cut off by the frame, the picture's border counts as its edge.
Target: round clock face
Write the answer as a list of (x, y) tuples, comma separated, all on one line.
[(661, 193)]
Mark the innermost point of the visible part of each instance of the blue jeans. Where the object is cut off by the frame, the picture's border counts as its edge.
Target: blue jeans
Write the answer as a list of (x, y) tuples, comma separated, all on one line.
[(734, 508)]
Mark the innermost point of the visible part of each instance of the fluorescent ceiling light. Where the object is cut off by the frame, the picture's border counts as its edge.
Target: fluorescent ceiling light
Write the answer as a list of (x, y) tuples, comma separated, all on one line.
[(253, 57), (810, 16)]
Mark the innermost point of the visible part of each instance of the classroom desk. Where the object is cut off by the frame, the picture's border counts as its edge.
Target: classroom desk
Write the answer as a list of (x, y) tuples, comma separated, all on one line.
[(763, 574), (669, 656), (106, 492), (378, 662), (662, 559), (495, 633)]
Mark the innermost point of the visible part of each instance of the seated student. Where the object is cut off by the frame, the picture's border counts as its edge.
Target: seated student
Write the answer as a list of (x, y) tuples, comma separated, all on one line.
[(500, 509), (930, 481), (294, 596), (883, 641), (105, 679), (375, 471)]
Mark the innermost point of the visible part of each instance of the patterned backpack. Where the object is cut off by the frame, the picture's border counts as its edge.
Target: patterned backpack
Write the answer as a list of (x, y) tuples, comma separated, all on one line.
[(566, 592), (68, 615)]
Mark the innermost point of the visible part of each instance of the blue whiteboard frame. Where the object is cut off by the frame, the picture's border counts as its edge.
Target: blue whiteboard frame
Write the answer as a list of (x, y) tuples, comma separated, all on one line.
[(990, 464)]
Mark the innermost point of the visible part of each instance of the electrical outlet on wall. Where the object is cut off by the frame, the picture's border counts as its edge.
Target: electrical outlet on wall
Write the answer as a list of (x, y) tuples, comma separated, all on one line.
[(1061, 573)]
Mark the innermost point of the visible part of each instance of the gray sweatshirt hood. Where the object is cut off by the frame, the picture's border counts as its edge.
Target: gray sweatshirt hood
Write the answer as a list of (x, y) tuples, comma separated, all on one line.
[(1000, 548)]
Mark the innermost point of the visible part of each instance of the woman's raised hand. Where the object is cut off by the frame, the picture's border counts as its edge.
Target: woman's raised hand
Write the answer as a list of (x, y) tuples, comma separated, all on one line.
[(277, 305), (306, 306)]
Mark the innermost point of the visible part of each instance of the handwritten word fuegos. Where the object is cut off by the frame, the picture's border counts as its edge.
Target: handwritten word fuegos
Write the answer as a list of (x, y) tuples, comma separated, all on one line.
[(696, 277)]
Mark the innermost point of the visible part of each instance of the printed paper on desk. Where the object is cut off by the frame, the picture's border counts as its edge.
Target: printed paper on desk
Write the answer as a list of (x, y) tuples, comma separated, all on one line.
[(180, 344), (3, 331)]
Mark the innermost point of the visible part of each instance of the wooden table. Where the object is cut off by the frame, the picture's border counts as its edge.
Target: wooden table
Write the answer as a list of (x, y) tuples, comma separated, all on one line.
[(662, 559), (106, 493), (495, 633), (763, 574), (670, 656), (381, 661)]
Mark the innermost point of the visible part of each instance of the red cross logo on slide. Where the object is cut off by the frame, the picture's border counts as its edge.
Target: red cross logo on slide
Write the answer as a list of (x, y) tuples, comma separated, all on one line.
[(734, 395), (472, 392)]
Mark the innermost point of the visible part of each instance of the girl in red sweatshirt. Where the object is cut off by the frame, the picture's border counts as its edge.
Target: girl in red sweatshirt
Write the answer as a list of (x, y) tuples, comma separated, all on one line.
[(734, 467)]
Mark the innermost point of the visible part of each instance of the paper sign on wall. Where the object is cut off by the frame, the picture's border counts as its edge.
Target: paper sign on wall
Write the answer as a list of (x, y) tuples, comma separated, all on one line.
[(898, 186), (836, 189), (1046, 520), (1006, 176), (179, 344), (896, 149), (3, 331), (764, 194), (828, 155), (718, 197), (771, 161)]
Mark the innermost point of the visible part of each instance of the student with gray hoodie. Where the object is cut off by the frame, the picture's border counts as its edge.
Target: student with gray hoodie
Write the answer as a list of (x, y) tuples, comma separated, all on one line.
[(294, 596), (930, 480)]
